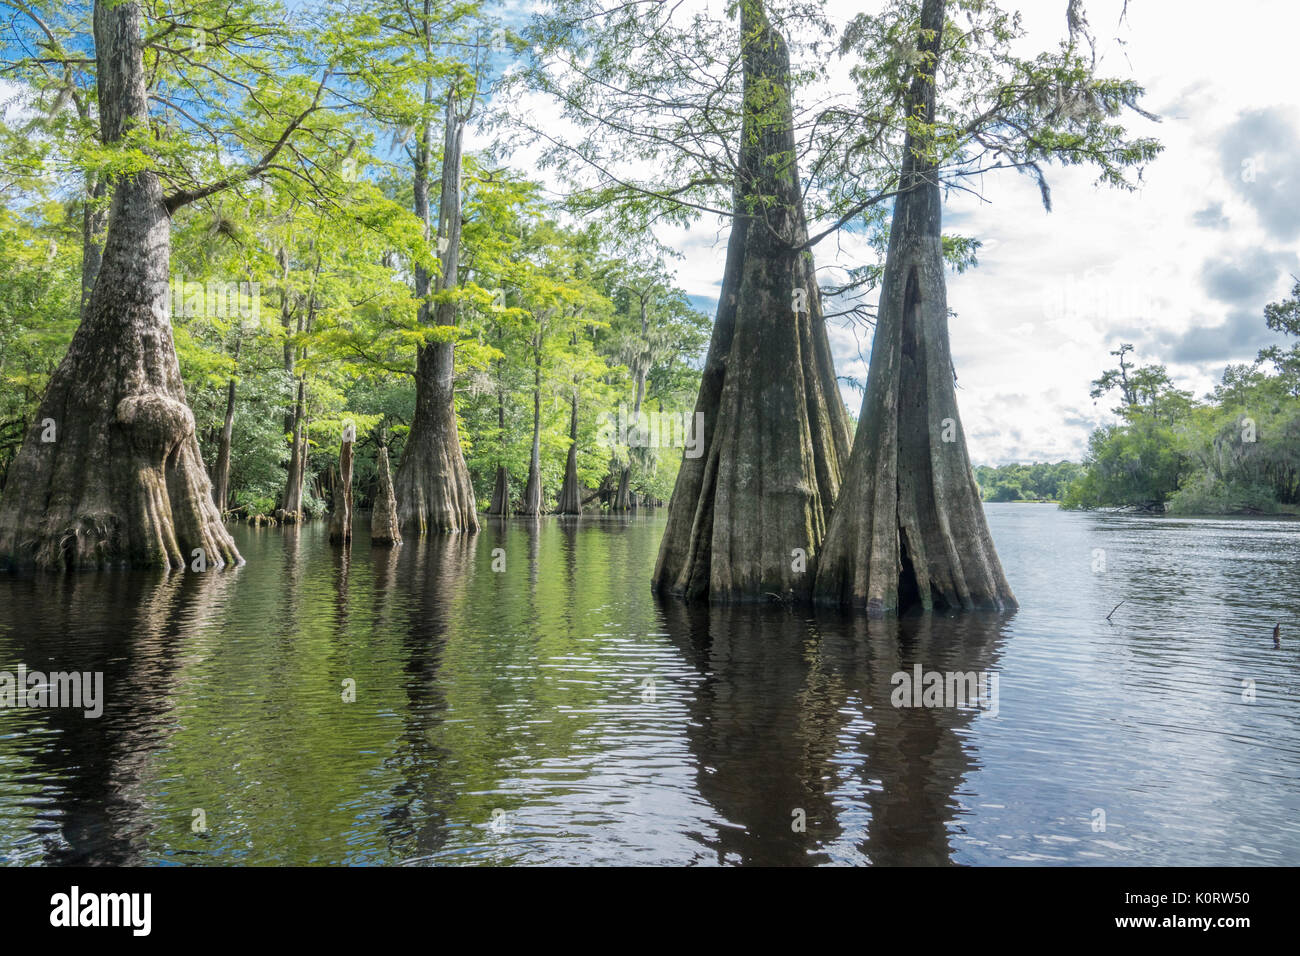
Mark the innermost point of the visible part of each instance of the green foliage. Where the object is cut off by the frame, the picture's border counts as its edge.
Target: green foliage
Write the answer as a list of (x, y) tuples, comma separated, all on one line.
[(1138, 463), (1237, 451), (1042, 481)]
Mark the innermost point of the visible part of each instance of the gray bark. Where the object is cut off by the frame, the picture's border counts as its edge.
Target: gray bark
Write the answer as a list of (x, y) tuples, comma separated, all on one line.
[(571, 491), (500, 504), (94, 218), (124, 481), (385, 529), (292, 510), (433, 487), (221, 483), (909, 526), (530, 505), (341, 516), (776, 432)]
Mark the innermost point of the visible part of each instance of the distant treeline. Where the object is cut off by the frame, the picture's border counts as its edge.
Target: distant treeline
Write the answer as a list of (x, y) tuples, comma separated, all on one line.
[(1042, 481)]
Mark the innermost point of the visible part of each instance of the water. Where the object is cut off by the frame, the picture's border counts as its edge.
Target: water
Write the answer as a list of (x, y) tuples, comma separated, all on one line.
[(555, 712)]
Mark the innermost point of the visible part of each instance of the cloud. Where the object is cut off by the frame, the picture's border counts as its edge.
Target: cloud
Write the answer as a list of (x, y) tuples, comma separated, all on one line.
[(1211, 217), (1240, 337), (1260, 155), (1249, 281)]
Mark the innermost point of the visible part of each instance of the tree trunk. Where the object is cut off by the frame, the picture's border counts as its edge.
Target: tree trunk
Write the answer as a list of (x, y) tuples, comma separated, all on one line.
[(570, 492), (93, 220), (292, 510), (777, 434), (434, 492), (385, 529), (221, 487), (623, 496), (123, 480), (909, 526), (500, 505), (341, 516), (531, 503)]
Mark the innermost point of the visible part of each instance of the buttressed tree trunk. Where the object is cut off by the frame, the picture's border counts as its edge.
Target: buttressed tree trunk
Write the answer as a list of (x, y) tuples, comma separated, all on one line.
[(909, 526), (341, 517), (570, 491), (434, 492), (500, 504), (384, 526), (110, 471), (748, 516)]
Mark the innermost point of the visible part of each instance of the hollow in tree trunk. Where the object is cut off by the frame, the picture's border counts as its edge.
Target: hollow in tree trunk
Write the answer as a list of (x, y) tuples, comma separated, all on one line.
[(748, 516), (110, 471), (909, 526), (384, 526), (433, 487)]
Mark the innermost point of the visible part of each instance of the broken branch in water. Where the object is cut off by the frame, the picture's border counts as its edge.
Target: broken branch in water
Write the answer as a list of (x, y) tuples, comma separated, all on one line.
[(1114, 609)]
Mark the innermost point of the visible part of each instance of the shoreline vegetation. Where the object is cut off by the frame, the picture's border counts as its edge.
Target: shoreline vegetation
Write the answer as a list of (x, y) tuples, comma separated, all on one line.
[(1234, 451)]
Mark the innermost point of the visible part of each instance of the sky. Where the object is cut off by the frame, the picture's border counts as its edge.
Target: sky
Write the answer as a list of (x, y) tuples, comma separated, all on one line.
[(1181, 268)]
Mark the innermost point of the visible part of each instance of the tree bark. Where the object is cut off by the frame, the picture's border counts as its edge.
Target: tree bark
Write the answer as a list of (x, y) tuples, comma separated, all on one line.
[(341, 515), (531, 503), (623, 496), (93, 220), (434, 492), (500, 504), (570, 491), (123, 481), (909, 527), (385, 529), (777, 434), (221, 485), (292, 510)]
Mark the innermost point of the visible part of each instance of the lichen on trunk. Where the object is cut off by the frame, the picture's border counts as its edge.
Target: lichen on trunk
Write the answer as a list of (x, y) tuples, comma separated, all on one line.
[(909, 526), (748, 516)]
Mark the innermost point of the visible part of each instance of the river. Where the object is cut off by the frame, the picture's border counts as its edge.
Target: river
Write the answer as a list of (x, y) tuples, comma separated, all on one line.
[(519, 696)]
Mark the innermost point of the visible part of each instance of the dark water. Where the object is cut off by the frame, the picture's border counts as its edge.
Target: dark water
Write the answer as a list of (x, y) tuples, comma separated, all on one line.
[(555, 712)]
